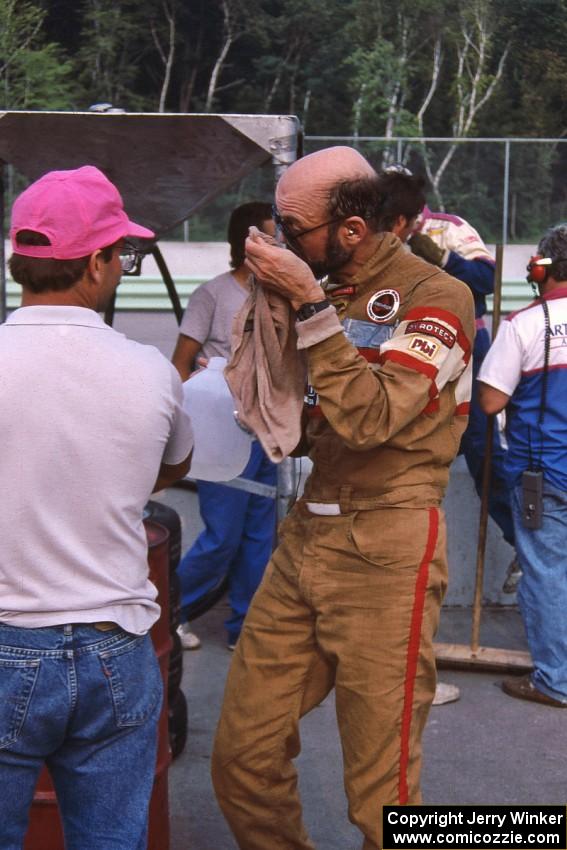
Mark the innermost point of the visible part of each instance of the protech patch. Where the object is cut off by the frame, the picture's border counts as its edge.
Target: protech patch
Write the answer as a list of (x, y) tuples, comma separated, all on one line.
[(427, 328)]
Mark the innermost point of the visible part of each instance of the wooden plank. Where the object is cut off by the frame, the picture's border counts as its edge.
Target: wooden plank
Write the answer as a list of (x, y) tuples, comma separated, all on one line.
[(460, 656)]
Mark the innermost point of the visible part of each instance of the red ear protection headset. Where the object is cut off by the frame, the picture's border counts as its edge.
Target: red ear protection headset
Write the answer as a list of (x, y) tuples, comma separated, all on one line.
[(538, 269)]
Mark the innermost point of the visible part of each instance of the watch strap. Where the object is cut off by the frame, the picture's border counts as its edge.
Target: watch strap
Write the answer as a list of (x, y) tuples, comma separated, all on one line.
[(306, 311)]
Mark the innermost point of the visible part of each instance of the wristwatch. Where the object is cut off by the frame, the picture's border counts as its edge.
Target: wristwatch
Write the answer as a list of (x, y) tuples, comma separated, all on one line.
[(306, 311)]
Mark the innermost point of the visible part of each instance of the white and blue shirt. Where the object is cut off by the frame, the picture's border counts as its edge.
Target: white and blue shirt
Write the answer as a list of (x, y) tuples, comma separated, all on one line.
[(515, 366)]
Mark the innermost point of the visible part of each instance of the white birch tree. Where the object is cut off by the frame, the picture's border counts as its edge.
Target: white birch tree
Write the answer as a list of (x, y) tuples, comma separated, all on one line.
[(165, 51), (475, 81), (232, 30)]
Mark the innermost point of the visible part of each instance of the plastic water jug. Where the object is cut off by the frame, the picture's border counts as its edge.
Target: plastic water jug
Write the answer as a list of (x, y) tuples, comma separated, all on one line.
[(222, 447)]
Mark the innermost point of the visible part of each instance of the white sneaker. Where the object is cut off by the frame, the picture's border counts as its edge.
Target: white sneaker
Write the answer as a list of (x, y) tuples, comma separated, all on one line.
[(445, 693), (513, 576), (189, 640)]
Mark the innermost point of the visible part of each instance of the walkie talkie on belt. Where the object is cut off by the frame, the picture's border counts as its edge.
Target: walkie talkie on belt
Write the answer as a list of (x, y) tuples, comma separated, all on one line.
[(532, 498), (532, 478)]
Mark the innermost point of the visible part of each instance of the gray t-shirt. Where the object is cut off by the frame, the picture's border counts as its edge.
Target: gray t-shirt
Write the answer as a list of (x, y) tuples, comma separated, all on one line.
[(210, 313)]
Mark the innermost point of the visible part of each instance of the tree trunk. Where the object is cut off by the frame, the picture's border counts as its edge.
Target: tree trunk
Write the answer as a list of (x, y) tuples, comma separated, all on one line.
[(187, 88), (306, 102), (228, 39), (277, 79), (167, 59), (358, 114)]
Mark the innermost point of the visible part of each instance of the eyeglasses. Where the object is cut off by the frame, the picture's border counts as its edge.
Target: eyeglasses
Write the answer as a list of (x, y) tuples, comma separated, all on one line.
[(129, 258), (398, 168), (293, 236)]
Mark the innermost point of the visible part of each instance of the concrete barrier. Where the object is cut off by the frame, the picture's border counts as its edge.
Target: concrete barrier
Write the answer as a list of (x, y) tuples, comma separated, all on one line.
[(191, 263)]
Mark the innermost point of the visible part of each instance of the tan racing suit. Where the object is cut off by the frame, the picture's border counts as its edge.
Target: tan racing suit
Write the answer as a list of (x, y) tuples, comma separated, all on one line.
[(351, 597)]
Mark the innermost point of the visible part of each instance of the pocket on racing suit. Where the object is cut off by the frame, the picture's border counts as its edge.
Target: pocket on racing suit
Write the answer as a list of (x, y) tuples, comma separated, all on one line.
[(390, 538)]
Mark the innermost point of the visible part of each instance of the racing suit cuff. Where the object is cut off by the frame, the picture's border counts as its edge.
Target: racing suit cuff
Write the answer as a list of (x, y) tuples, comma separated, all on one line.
[(319, 327)]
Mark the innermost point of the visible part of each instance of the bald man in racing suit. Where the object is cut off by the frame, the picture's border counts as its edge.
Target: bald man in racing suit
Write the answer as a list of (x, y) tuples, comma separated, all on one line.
[(351, 597)]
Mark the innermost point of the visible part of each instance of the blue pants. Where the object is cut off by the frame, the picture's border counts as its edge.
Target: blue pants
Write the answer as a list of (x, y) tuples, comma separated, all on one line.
[(473, 446), (236, 542), (86, 703), (542, 593)]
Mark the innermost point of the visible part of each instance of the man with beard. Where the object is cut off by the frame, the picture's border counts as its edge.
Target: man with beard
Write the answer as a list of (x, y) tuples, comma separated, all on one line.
[(352, 594)]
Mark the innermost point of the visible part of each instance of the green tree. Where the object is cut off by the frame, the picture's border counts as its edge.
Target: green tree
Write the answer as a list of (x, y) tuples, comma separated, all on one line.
[(34, 74), (114, 41), (418, 67), (391, 67), (301, 72), (362, 67), (531, 101), (479, 69)]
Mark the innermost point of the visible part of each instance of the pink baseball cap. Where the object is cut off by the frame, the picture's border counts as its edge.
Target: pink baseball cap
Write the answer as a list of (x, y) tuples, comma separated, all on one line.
[(79, 211)]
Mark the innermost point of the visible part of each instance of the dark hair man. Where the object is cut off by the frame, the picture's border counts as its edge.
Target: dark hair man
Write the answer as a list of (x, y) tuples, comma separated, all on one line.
[(352, 594), (451, 243), (236, 542), (90, 423), (525, 372), (404, 201)]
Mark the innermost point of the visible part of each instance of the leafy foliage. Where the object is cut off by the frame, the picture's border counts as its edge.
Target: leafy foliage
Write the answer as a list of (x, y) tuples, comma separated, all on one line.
[(33, 72), (354, 67)]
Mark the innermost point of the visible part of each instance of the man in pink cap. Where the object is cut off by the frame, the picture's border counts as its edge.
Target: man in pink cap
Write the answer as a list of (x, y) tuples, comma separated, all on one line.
[(351, 596), (91, 423)]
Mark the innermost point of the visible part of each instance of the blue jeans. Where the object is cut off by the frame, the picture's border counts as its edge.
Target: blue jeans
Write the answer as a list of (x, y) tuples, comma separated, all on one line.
[(86, 703), (542, 593), (473, 446), (236, 542)]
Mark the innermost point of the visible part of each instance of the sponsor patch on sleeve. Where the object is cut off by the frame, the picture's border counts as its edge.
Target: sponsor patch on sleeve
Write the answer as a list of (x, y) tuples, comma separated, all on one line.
[(425, 348), (427, 328)]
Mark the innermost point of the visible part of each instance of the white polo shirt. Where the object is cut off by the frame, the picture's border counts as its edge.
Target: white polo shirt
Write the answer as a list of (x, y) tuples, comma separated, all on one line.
[(86, 418), (515, 366)]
